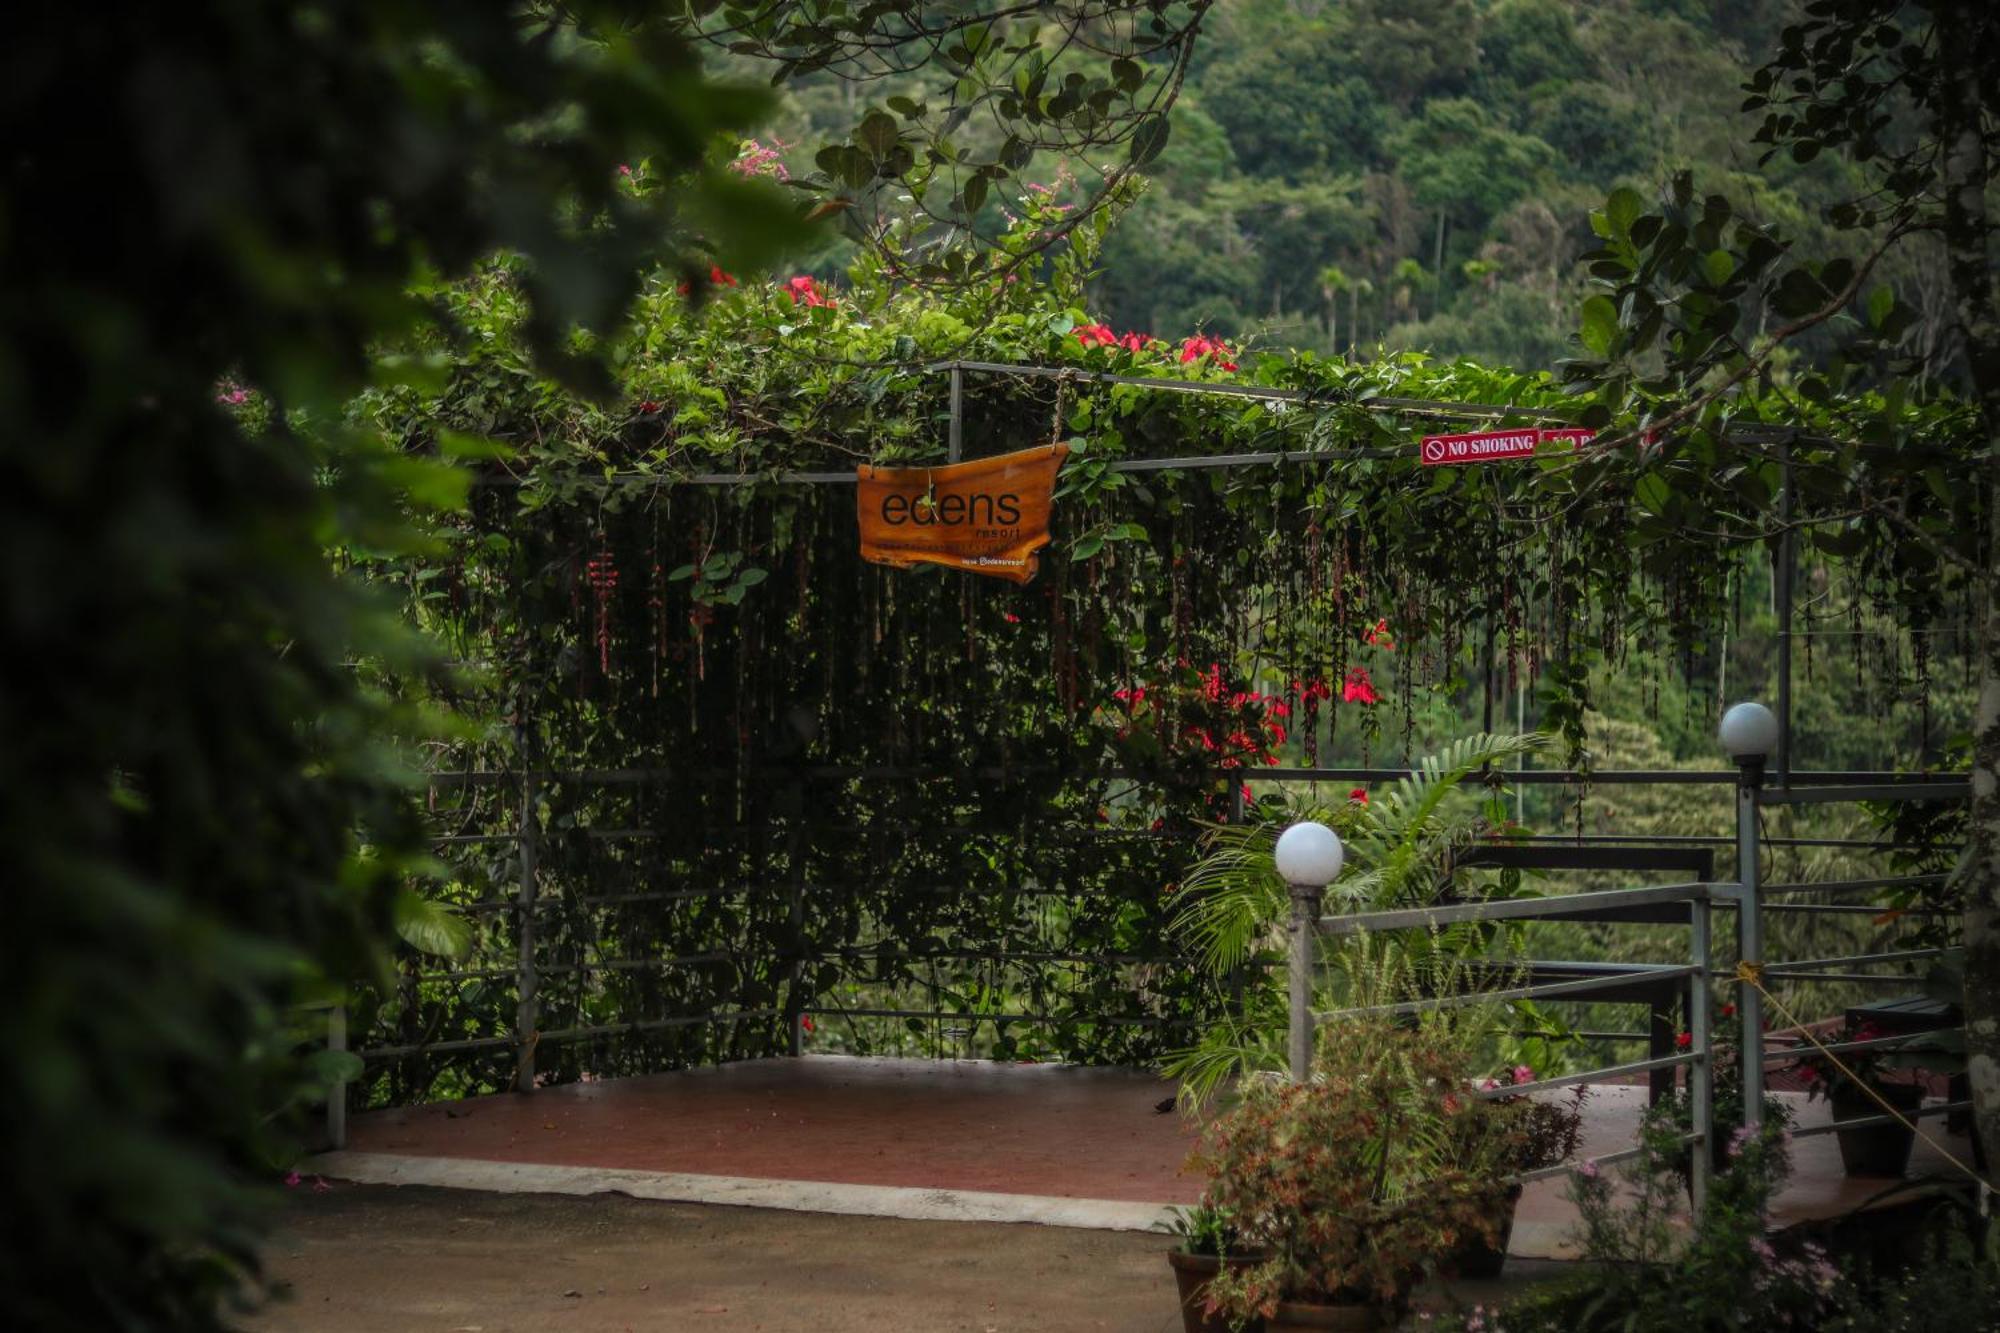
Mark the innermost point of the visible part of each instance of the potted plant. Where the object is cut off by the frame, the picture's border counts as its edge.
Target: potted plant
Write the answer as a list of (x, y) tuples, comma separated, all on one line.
[(1355, 1182), (1871, 1150), (1209, 1241), (1527, 1135)]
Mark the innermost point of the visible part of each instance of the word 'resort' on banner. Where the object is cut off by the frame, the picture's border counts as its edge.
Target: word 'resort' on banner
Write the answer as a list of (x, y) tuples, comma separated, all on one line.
[(989, 516)]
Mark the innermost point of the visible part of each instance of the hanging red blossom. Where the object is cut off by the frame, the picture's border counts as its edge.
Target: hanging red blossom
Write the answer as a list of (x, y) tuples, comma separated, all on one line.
[(1378, 636), (1358, 688)]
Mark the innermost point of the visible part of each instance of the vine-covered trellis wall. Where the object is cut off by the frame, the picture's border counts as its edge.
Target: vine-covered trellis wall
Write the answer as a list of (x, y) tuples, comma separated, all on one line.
[(731, 773)]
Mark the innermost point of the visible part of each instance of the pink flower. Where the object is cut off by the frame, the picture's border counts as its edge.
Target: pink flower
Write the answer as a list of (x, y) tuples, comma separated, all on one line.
[(1523, 1074), (1588, 1170), (291, 1180)]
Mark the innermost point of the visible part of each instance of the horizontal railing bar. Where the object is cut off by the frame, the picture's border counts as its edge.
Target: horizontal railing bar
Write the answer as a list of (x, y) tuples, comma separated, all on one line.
[(1850, 960), (1908, 1042), (652, 1024), (1856, 885), (1885, 791), (434, 1047), (1587, 984), (1859, 978), (1866, 1122), (1588, 1076), (1607, 777), (1605, 1159), (1513, 909), (1121, 1020), (1853, 909), (1309, 397)]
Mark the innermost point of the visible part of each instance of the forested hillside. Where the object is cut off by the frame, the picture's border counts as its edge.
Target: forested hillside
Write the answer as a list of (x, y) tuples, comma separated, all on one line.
[(1417, 174)]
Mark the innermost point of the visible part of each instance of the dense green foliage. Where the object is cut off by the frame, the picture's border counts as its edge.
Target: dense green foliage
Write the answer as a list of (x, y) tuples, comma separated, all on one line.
[(201, 812)]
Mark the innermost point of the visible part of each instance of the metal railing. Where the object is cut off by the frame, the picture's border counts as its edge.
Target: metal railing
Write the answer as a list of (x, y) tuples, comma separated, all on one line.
[(1744, 895), (526, 902)]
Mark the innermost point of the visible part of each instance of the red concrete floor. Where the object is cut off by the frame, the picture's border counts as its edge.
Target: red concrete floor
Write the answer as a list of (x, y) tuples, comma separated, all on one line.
[(1051, 1130), (1034, 1130)]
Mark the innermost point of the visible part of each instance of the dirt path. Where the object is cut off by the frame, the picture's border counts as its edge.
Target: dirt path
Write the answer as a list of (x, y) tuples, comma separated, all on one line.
[(385, 1259)]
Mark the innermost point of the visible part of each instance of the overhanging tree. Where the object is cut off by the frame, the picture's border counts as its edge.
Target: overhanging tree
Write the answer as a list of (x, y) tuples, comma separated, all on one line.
[(1688, 335)]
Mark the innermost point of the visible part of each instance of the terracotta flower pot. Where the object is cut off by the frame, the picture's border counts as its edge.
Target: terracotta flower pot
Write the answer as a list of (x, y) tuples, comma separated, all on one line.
[(1479, 1260), (1300, 1315), (1191, 1274), (1876, 1150)]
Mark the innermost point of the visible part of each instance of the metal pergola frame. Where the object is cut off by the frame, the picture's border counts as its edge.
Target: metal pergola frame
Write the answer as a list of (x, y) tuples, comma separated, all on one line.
[(1782, 438)]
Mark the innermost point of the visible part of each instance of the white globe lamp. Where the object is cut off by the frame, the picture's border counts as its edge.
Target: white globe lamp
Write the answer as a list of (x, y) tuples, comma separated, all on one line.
[(1749, 732), (1310, 855)]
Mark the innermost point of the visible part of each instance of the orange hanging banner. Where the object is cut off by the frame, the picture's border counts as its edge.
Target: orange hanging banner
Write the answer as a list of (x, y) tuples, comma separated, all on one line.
[(988, 516)]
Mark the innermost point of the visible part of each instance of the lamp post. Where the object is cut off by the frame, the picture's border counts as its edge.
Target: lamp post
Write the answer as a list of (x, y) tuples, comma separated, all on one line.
[(1309, 859), (1749, 732)]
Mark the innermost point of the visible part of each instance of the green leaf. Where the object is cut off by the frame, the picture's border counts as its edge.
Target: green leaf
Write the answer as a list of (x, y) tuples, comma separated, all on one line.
[(1622, 209), (1149, 139), (432, 927), (1600, 325), (1880, 302)]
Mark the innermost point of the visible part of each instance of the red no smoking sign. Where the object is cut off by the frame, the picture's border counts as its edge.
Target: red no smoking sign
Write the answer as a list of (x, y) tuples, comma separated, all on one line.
[(1494, 446)]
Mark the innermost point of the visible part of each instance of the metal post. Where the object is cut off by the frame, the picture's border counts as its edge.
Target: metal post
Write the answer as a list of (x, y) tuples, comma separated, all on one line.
[(1701, 1092), (1749, 939), (1783, 589), (526, 1007), (1299, 1029), (336, 1096), (795, 1033), (955, 440)]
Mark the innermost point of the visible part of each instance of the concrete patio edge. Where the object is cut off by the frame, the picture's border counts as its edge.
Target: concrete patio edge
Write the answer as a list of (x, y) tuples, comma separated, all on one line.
[(811, 1196)]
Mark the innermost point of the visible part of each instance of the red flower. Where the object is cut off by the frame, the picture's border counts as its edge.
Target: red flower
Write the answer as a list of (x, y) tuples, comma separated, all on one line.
[(1011, 618), (806, 1022), (1729, 1011), (1135, 342), (718, 277), (649, 407), (1358, 688), (1197, 347), (1684, 1041), (1359, 796), (805, 291), (1244, 790), (1096, 335), (1378, 636)]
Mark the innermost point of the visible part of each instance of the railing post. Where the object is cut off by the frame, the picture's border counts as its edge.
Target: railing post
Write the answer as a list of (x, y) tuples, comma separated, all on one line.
[(955, 439), (1749, 939), (1299, 1029), (336, 1095), (527, 1006), (1701, 1082), (795, 804)]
